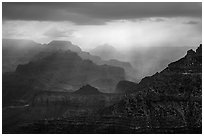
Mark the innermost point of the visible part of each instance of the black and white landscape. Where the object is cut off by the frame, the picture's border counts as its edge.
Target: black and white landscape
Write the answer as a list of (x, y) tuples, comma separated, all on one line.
[(102, 68)]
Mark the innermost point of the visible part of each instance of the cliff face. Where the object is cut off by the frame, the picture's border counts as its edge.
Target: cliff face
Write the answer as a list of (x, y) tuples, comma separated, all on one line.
[(169, 99)]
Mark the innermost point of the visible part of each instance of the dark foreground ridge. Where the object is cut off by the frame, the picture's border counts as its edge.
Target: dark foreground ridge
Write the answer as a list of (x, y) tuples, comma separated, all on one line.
[(171, 99), (169, 102)]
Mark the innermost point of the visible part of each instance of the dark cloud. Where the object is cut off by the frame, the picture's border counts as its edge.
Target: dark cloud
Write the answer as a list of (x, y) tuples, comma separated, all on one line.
[(96, 12)]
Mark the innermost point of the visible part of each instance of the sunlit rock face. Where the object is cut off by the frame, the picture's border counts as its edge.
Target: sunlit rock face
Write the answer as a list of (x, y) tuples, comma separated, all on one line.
[(169, 99)]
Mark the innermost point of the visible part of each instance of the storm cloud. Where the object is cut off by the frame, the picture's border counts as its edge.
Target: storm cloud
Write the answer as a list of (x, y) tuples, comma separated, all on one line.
[(90, 13)]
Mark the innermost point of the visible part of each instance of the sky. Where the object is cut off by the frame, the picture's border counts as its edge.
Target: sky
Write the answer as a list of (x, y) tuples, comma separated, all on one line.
[(122, 25)]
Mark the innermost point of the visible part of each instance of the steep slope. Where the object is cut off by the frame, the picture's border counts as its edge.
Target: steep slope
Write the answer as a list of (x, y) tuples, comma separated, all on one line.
[(169, 99), (149, 60), (177, 75)]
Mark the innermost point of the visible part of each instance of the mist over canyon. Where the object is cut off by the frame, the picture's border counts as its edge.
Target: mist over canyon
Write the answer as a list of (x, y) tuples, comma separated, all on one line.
[(102, 68), (137, 62)]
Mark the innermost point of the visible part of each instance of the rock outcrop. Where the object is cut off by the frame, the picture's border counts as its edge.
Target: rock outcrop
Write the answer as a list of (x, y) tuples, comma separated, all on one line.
[(169, 99)]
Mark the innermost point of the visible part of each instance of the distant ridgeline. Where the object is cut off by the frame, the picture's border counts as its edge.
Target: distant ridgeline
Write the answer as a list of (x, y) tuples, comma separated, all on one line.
[(60, 71), (17, 52)]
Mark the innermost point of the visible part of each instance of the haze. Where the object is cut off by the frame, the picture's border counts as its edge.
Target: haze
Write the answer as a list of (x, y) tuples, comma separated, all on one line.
[(147, 35)]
